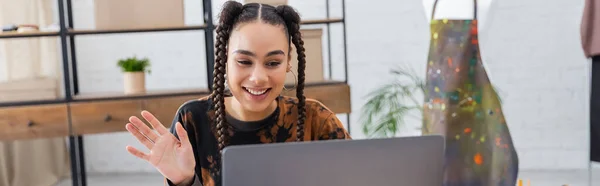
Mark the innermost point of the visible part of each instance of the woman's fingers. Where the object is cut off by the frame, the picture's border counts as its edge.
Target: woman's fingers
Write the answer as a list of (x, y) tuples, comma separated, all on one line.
[(159, 127), (139, 135), (143, 128), (182, 134), (137, 153)]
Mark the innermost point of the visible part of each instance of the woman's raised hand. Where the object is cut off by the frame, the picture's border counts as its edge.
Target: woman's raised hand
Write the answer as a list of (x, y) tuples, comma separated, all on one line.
[(173, 158)]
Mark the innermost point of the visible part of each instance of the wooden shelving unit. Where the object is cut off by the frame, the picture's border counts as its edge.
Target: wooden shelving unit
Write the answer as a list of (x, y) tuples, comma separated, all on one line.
[(80, 114)]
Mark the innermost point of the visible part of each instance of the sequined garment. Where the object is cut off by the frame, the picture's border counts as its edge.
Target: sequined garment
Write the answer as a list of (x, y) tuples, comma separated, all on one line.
[(462, 105)]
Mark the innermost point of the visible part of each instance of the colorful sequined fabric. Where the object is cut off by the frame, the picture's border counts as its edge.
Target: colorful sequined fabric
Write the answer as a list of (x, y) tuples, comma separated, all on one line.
[(462, 105)]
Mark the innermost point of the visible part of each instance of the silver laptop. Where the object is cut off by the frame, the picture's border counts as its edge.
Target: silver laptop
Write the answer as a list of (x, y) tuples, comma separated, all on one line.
[(404, 161)]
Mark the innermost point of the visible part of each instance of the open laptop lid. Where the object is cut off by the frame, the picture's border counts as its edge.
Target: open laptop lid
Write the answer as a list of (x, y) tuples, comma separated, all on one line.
[(400, 161)]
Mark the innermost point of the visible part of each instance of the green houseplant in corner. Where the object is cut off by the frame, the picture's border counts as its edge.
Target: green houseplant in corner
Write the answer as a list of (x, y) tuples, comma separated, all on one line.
[(388, 106), (134, 74)]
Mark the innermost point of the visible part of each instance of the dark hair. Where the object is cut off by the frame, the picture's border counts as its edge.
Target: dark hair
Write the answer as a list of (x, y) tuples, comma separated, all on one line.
[(234, 13)]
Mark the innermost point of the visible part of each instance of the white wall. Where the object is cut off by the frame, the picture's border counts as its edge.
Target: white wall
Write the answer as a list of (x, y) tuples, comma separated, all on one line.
[(531, 49), (548, 109)]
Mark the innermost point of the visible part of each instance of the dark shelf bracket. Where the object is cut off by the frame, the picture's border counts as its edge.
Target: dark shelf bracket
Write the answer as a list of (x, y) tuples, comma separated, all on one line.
[(209, 42)]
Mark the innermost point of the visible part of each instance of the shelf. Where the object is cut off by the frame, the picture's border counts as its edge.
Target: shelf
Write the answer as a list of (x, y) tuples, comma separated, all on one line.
[(27, 34), (105, 116), (21, 103), (333, 94), (137, 30), (148, 94), (93, 114), (319, 21), (322, 83), (34, 121), (322, 21), (111, 115), (133, 30), (170, 93)]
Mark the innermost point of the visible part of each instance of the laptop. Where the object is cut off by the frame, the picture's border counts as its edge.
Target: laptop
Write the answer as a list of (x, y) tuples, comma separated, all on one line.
[(402, 161)]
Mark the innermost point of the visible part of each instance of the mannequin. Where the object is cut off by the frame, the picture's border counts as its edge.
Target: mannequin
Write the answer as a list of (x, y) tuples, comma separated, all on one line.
[(590, 42), (460, 9)]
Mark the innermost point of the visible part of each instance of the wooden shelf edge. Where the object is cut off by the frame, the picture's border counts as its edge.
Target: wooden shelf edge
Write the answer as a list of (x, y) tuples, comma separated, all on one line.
[(133, 30), (149, 94), (170, 93), (28, 34), (137, 30), (322, 21), (24, 103), (318, 21)]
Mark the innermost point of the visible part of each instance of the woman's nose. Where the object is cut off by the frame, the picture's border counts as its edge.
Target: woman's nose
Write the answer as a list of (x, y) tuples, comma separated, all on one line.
[(258, 76)]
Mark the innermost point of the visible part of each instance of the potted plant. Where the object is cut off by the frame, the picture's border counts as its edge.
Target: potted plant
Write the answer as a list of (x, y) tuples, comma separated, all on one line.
[(390, 105), (134, 71)]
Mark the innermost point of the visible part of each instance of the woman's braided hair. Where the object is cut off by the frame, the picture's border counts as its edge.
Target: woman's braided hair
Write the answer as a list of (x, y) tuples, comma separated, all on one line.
[(234, 13)]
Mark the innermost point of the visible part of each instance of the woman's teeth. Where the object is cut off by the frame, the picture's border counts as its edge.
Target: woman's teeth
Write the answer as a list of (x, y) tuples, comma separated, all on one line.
[(256, 92)]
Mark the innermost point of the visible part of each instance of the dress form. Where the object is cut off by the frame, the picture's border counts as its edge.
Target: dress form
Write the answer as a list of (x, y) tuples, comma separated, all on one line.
[(460, 9)]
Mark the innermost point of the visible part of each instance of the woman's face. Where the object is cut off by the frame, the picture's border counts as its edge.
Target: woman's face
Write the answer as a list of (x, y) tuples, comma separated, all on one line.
[(258, 61)]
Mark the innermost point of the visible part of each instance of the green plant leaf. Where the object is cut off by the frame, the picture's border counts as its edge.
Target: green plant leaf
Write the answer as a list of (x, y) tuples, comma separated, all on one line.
[(133, 64), (388, 106)]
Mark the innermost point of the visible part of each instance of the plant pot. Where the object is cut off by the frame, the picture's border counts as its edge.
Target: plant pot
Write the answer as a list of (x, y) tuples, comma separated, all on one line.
[(134, 82)]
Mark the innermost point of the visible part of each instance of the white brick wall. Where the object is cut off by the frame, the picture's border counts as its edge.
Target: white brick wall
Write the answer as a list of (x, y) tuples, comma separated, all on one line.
[(548, 110), (531, 49)]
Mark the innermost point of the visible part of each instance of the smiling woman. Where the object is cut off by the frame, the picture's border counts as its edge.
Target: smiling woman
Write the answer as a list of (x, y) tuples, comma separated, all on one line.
[(258, 70), (253, 57)]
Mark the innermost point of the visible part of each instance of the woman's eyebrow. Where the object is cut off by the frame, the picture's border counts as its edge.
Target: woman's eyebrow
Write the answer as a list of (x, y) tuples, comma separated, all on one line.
[(246, 52), (276, 52)]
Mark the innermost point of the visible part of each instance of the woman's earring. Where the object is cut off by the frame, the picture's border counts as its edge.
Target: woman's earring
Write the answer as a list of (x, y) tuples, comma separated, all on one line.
[(295, 81), (295, 78)]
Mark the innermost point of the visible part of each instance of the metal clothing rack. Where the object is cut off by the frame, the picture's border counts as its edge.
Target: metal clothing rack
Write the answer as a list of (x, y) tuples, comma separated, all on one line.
[(67, 35)]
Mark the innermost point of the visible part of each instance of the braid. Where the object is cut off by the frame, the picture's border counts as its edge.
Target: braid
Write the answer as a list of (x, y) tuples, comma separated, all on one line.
[(292, 23), (219, 85), (299, 43), (230, 12)]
